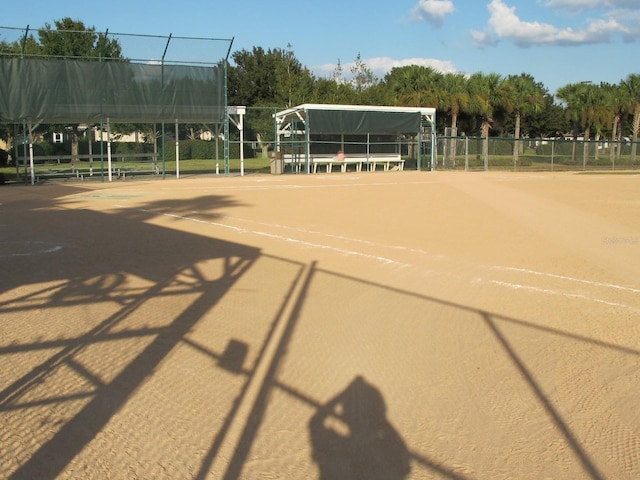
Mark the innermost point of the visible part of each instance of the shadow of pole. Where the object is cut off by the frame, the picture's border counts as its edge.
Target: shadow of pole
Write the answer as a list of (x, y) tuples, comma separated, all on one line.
[(562, 426), (270, 361), (224, 435)]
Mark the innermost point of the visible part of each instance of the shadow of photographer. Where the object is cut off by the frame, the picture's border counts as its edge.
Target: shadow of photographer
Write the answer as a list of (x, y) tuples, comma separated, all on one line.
[(352, 438)]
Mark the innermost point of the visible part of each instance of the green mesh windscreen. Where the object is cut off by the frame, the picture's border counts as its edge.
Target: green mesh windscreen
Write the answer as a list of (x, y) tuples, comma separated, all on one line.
[(59, 91), (362, 121)]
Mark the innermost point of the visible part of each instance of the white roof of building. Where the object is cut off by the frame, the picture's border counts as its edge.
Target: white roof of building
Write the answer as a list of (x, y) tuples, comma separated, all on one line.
[(358, 108)]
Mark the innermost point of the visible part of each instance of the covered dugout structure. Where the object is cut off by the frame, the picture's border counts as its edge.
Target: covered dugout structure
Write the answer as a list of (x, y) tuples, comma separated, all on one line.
[(311, 131), (97, 91)]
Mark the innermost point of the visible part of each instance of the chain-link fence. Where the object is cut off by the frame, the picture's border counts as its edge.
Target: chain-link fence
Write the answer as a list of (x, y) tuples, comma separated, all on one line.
[(87, 152), (201, 150), (535, 154)]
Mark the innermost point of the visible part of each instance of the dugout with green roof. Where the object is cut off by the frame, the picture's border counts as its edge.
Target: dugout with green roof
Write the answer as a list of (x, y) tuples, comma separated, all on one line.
[(310, 129)]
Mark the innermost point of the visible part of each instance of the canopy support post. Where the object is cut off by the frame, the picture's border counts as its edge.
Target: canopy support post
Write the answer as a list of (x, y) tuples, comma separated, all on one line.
[(177, 152), (31, 169), (109, 164)]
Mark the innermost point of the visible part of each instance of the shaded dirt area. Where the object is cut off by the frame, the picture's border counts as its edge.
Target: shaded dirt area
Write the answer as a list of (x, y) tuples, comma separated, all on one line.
[(392, 325)]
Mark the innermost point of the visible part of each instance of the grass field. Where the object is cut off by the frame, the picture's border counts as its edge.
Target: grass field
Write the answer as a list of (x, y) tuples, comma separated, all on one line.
[(191, 167)]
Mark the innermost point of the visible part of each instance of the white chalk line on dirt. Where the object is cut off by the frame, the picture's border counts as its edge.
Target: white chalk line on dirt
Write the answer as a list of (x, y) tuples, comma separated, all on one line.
[(548, 291), (431, 255), (237, 188), (334, 236), (39, 248), (281, 238), (571, 279), (390, 261)]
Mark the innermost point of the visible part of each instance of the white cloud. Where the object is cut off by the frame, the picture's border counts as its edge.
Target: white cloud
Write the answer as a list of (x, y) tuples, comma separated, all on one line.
[(504, 23), (632, 20), (483, 39), (380, 66), (592, 4), (432, 11)]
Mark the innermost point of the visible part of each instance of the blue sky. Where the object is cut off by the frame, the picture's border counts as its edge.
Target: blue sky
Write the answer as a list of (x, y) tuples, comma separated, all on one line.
[(556, 41)]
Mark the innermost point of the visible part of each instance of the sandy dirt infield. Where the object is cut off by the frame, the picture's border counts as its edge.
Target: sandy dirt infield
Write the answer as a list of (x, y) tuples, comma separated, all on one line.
[(386, 325)]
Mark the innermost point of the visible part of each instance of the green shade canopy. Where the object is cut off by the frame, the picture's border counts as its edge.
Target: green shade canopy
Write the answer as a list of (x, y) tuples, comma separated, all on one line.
[(320, 119), (81, 91), (362, 121)]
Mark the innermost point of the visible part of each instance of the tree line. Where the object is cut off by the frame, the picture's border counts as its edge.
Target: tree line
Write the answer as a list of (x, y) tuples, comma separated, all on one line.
[(479, 104)]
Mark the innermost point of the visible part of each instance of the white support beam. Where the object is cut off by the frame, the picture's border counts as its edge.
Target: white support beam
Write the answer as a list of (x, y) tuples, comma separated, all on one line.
[(236, 116)]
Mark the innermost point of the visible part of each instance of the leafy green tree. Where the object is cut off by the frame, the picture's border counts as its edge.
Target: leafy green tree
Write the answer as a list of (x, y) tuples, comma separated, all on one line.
[(27, 46), (363, 81), (265, 80), (413, 86), (70, 38), (273, 77), (326, 90), (295, 82), (548, 121), (336, 90)]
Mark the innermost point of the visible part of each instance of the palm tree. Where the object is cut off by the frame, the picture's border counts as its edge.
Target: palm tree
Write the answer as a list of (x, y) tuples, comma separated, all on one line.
[(632, 85), (617, 97), (413, 85), (454, 97), (594, 117), (581, 102), (486, 95), (608, 115), (522, 95)]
